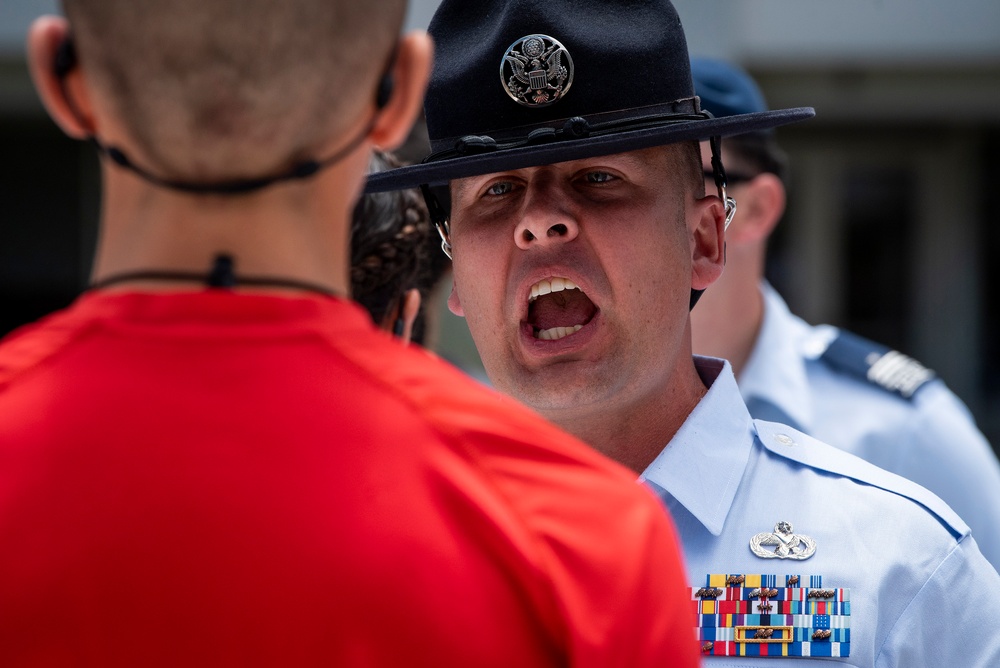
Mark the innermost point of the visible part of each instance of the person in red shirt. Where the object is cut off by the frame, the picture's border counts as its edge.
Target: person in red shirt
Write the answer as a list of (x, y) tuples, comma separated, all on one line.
[(215, 458)]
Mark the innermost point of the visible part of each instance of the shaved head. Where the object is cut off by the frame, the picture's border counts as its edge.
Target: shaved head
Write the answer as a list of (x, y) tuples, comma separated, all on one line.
[(216, 89)]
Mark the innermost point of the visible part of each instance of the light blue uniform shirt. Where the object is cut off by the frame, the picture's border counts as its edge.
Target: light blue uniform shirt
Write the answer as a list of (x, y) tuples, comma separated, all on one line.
[(929, 438), (920, 592)]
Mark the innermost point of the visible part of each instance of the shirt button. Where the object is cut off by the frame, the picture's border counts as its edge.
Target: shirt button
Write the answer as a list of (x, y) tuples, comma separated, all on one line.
[(784, 439)]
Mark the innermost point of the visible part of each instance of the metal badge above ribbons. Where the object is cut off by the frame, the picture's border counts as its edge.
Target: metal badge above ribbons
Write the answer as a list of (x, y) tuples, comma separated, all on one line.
[(787, 545), (536, 71)]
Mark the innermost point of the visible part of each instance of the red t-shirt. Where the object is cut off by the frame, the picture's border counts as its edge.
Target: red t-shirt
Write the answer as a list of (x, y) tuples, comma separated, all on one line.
[(212, 478)]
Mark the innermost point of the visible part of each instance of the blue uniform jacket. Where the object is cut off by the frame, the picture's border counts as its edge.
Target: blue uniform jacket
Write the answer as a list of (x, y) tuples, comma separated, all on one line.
[(794, 378), (894, 578)]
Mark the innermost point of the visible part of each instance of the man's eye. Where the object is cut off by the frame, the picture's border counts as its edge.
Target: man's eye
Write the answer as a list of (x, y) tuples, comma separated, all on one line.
[(599, 177), (500, 188)]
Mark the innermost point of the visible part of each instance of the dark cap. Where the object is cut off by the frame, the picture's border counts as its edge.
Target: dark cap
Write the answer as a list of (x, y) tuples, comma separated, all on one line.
[(725, 89)]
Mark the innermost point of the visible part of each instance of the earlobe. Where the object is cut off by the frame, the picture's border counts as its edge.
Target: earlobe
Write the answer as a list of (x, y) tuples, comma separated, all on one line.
[(46, 39), (408, 81), (454, 302)]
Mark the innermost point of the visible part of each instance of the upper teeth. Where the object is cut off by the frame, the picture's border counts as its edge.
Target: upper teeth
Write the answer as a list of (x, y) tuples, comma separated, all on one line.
[(551, 285)]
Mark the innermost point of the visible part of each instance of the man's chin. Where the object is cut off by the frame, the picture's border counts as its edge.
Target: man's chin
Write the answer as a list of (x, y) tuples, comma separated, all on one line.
[(553, 394)]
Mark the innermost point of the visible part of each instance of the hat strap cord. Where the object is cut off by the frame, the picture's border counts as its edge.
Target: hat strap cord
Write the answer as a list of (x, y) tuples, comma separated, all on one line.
[(720, 178), (438, 217)]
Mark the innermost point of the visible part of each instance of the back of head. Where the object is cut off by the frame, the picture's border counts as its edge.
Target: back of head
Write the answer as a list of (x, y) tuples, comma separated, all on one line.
[(726, 89), (389, 246), (218, 89)]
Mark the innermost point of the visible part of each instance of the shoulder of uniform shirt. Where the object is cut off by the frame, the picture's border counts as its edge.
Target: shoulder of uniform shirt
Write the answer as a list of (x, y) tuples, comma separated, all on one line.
[(801, 448), (866, 361)]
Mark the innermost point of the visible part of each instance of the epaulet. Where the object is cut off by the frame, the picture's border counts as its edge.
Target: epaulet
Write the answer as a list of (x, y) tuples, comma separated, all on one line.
[(791, 444), (889, 369)]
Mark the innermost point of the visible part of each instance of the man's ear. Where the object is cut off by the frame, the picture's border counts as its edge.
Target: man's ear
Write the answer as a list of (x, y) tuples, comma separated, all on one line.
[(761, 205), (708, 241), (46, 35), (454, 303), (410, 72)]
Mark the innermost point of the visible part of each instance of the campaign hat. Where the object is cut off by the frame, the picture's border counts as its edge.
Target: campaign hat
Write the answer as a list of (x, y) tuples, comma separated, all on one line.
[(522, 83)]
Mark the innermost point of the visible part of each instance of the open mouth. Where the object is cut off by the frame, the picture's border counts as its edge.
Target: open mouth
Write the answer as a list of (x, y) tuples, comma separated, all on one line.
[(558, 308)]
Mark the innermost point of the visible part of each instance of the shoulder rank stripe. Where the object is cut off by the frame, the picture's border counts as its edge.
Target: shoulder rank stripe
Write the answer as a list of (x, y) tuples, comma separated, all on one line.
[(889, 369), (772, 615)]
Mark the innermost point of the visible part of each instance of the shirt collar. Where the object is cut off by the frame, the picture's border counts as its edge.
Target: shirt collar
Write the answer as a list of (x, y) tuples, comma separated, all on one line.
[(711, 447), (776, 372)]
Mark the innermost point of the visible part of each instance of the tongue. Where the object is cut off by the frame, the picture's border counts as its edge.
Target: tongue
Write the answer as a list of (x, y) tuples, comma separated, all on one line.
[(561, 309)]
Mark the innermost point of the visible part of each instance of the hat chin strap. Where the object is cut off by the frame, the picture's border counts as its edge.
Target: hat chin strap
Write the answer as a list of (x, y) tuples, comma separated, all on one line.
[(439, 217), (720, 178), (720, 182)]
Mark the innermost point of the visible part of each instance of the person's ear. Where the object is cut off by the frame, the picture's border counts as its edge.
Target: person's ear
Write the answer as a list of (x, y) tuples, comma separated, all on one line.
[(708, 241), (454, 302), (407, 314), (760, 207), (404, 97), (47, 35)]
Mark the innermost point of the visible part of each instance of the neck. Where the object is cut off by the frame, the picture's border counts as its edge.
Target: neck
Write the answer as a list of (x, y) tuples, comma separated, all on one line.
[(634, 434), (295, 231), (727, 320)]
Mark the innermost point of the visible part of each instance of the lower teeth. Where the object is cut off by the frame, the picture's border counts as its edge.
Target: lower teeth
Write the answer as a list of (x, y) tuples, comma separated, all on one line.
[(557, 332)]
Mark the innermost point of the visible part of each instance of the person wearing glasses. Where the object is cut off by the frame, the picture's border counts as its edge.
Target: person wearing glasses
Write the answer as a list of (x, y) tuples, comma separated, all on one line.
[(830, 383)]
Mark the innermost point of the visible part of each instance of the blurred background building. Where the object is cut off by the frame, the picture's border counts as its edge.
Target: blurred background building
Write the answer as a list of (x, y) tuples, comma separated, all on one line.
[(892, 229)]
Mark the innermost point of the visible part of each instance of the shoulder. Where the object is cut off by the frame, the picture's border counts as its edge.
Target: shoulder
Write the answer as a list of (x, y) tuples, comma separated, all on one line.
[(499, 435), (864, 361), (795, 446), (570, 503), (31, 345)]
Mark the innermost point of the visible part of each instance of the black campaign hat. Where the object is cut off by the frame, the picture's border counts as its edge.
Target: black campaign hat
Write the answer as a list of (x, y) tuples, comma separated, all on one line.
[(521, 83)]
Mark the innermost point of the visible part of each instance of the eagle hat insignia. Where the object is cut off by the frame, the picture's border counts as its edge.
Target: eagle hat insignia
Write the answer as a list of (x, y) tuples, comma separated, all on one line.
[(536, 71), (787, 544)]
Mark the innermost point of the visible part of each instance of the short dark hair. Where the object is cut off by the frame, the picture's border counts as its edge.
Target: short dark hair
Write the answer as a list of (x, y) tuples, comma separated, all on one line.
[(390, 253), (219, 89)]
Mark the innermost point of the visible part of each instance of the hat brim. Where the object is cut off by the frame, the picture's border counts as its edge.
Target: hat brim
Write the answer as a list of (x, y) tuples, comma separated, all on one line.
[(440, 172)]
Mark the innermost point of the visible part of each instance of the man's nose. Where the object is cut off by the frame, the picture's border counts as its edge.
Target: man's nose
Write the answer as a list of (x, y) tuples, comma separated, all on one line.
[(545, 221)]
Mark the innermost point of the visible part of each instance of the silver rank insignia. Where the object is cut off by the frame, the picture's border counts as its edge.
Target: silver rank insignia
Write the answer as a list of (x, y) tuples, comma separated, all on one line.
[(536, 71), (787, 545)]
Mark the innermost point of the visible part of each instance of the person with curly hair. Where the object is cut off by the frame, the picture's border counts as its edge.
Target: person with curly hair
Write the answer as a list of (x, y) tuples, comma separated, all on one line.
[(391, 268)]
